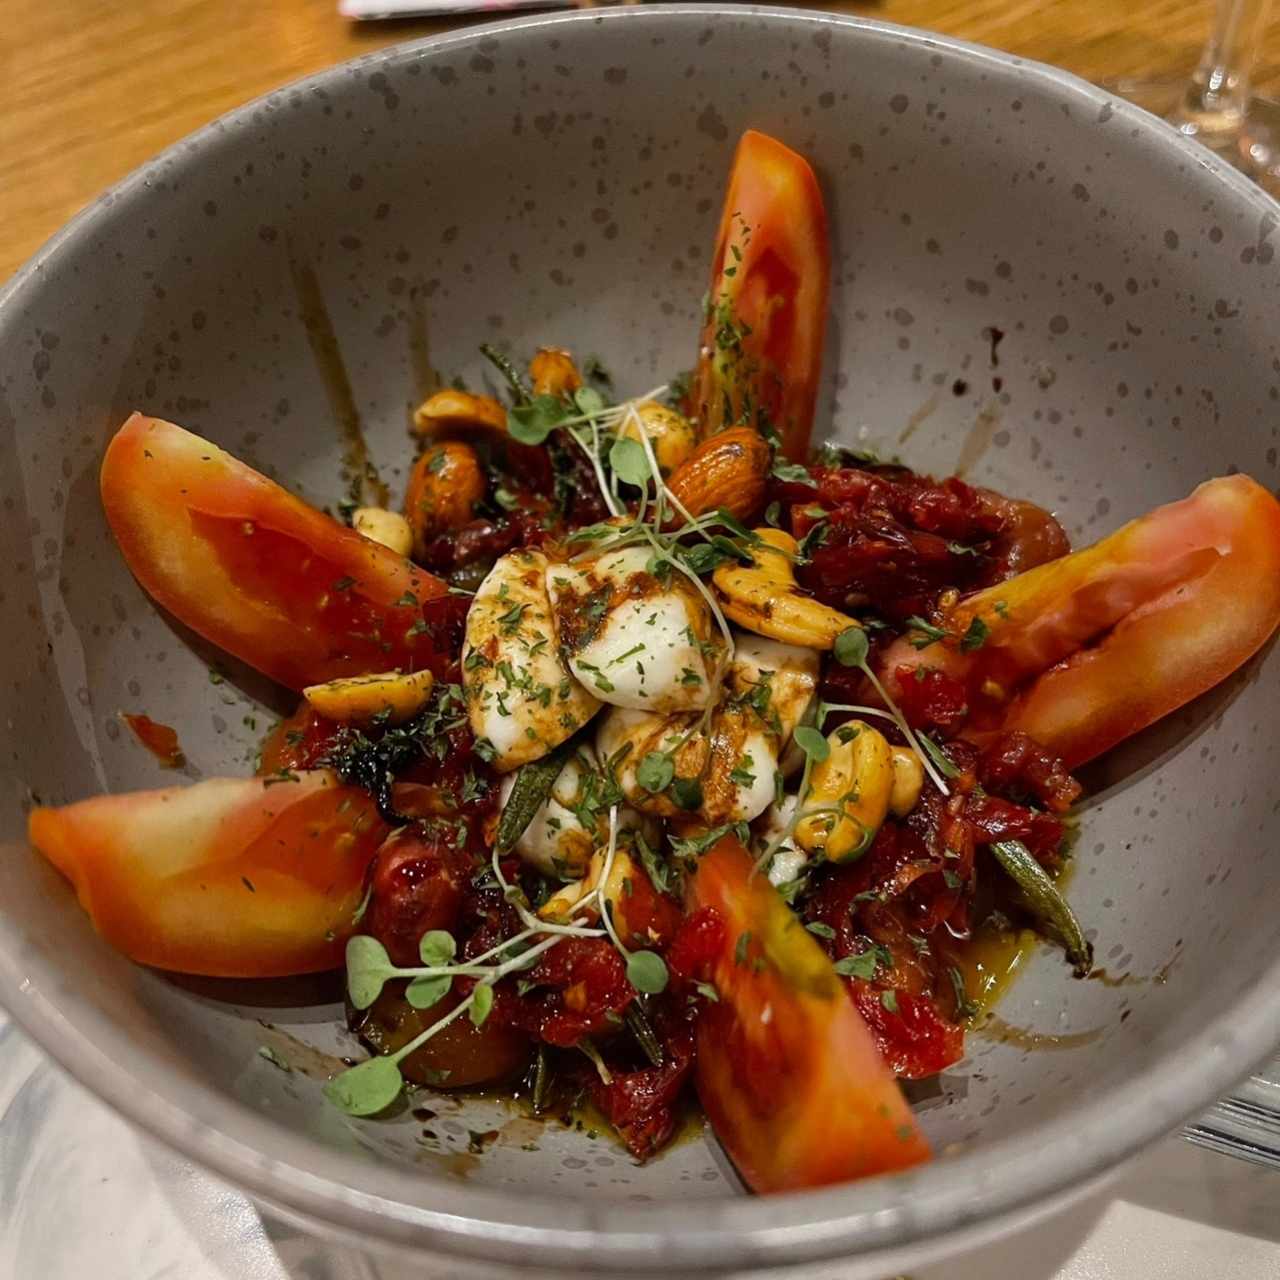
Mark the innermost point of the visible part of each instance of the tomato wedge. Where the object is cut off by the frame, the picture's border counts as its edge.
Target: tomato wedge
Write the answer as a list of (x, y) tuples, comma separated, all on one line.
[(760, 353), (244, 878), (1083, 651), (786, 1069), (259, 572)]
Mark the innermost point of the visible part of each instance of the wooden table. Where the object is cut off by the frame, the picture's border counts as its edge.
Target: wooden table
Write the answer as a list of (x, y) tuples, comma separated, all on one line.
[(91, 88)]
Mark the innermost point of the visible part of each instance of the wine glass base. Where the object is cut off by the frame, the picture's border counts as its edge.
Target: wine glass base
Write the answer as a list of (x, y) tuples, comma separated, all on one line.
[(1250, 140)]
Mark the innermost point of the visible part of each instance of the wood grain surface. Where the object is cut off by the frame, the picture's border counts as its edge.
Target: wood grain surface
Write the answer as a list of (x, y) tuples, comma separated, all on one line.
[(89, 89)]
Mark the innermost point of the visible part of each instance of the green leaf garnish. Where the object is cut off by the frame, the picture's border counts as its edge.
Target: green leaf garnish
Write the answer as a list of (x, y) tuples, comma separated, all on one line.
[(975, 637), (655, 772), (437, 947), (589, 401), (850, 648), (687, 793), (366, 1089), (941, 761), (481, 1004), (812, 743), (924, 633), (368, 968), (628, 461), (647, 972), (532, 423), (863, 965), (423, 992)]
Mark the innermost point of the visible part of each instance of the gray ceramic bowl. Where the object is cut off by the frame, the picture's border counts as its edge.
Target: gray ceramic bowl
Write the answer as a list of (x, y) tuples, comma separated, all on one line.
[(558, 180)]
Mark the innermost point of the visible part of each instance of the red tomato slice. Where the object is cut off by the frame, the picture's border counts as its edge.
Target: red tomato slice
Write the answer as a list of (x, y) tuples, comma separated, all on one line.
[(760, 353), (259, 572), (244, 878), (1086, 650), (787, 1071)]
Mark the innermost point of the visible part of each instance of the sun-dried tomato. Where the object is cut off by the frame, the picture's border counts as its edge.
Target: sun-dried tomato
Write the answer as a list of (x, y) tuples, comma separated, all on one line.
[(697, 943), (640, 1103), (1017, 763), (579, 988), (931, 699)]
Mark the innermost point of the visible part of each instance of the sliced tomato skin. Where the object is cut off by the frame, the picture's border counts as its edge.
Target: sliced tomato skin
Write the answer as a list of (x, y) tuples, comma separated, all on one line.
[(772, 266), (1084, 651), (230, 878), (259, 572), (786, 1069)]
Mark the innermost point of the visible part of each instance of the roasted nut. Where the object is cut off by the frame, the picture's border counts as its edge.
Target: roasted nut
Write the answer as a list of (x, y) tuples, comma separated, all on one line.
[(670, 433), (558, 906), (764, 598), (728, 471), (445, 484), (452, 413), (389, 697), (908, 778), (387, 527), (554, 373), (855, 780)]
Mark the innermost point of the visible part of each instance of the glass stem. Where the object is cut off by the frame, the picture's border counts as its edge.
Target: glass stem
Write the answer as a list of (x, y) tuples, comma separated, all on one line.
[(1217, 97)]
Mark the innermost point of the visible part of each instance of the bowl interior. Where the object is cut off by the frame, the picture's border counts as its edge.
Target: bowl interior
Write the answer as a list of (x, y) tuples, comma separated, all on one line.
[(1033, 285)]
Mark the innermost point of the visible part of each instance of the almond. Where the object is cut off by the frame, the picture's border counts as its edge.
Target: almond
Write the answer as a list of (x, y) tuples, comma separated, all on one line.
[(445, 484), (728, 470), (458, 413)]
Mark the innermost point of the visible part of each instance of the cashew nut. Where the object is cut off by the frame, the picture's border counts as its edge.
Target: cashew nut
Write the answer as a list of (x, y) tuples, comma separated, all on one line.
[(459, 413), (445, 484), (554, 373), (671, 434), (856, 780), (387, 527), (908, 778), (557, 907), (389, 697), (764, 598)]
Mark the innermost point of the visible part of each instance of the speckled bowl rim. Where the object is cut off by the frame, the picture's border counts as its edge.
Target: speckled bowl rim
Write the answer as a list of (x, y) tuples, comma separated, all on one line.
[(962, 1197)]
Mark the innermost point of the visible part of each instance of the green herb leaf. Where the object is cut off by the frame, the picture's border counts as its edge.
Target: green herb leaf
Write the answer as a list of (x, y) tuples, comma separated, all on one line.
[(481, 1004), (794, 473), (975, 637), (820, 929), (812, 743), (1044, 900), (941, 761), (647, 972), (707, 991), (924, 633), (850, 648), (863, 965), (437, 948), (423, 992), (368, 967), (628, 461), (655, 772), (529, 793), (366, 1089), (589, 401), (532, 423), (687, 793), (656, 869), (889, 999)]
